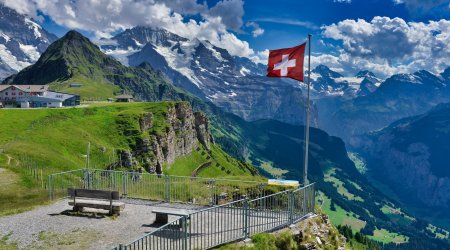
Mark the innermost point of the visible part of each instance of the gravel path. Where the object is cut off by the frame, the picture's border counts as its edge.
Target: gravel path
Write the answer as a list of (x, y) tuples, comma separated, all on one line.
[(136, 220)]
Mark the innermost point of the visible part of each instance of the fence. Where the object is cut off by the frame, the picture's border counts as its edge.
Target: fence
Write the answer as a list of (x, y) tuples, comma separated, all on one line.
[(239, 209), (182, 189), (229, 222)]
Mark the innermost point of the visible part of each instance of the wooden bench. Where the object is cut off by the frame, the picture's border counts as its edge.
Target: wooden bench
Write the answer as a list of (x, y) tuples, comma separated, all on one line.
[(100, 199), (162, 214)]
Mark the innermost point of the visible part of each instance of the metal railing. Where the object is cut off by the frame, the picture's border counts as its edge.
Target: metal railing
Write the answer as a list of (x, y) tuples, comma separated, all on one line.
[(218, 225), (173, 235), (239, 209), (179, 189)]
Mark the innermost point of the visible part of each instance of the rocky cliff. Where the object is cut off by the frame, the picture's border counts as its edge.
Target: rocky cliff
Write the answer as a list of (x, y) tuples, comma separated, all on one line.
[(155, 142), (412, 155)]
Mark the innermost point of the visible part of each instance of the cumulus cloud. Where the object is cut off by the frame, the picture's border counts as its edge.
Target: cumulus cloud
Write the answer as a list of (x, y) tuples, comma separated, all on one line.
[(231, 13), (342, 1), (257, 31), (88, 15), (391, 45)]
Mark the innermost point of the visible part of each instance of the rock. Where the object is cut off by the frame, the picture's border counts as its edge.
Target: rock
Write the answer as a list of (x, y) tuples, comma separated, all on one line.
[(184, 132)]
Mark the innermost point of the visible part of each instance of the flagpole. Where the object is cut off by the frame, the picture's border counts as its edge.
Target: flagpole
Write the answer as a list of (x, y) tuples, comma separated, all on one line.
[(305, 169)]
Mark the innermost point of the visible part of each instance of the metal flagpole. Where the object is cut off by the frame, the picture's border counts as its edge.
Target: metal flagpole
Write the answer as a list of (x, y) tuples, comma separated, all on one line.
[(305, 169)]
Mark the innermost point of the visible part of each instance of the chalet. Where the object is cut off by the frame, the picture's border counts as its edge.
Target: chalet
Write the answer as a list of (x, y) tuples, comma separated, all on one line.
[(124, 98), (35, 96)]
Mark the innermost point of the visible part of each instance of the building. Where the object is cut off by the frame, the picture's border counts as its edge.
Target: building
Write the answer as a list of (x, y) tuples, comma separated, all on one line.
[(124, 98), (35, 96)]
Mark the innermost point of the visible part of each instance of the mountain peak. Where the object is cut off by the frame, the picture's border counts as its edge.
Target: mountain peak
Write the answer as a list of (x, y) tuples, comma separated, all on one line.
[(326, 72), (364, 73), (74, 35)]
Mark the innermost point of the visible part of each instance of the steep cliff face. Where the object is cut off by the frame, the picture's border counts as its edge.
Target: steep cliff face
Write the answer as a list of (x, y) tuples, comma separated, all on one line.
[(155, 142), (412, 154)]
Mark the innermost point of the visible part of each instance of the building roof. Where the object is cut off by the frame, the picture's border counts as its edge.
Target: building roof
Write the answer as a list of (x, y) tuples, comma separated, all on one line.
[(26, 88), (124, 97)]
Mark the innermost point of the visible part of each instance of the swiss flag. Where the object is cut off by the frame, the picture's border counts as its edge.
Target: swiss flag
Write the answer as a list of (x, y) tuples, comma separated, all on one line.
[(287, 62)]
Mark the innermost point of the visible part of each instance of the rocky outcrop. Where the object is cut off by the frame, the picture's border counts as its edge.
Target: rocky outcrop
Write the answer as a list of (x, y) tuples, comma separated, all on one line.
[(156, 145)]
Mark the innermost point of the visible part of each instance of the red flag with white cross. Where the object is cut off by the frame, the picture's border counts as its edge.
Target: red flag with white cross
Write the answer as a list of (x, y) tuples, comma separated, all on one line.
[(287, 62)]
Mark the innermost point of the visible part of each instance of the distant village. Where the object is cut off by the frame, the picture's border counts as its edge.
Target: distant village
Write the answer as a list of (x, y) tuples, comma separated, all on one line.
[(39, 96)]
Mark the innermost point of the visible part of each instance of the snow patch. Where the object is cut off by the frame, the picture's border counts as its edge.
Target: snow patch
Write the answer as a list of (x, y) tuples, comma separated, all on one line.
[(232, 94), (315, 76), (244, 71), (30, 51), (36, 27), (121, 54), (181, 62), (11, 60), (215, 53), (7, 38)]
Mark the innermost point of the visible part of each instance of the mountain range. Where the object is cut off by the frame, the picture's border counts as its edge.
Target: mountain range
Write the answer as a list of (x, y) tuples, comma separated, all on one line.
[(22, 41), (275, 147), (415, 149), (244, 106)]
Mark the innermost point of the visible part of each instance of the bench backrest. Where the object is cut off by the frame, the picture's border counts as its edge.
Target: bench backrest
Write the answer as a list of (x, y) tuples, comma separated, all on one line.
[(93, 194)]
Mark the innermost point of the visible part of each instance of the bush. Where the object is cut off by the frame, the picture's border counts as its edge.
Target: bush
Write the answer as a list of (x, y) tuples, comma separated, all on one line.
[(285, 241)]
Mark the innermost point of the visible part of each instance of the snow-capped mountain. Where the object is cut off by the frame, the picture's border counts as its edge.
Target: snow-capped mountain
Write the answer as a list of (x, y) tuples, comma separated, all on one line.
[(328, 83), (236, 84), (22, 41)]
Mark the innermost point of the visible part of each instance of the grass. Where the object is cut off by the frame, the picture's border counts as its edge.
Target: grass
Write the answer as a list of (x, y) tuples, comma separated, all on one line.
[(16, 197), (359, 163), (5, 245), (384, 236), (330, 176), (101, 89), (56, 140), (340, 216), (275, 172), (441, 233), (396, 215)]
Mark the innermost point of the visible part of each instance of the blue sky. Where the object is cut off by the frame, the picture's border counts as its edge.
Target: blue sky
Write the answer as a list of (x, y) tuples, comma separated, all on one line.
[(385, 36)]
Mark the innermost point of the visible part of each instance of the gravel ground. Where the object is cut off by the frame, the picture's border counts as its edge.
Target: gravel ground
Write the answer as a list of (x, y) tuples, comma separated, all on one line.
[(136, 220)]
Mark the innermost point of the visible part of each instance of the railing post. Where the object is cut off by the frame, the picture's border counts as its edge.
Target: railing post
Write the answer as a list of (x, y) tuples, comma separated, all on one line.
[(314, 197), (185, 245), (212, 185), (245, 219), (49, 187), (167, 188), (291, 206), (304, 202), (124, 184)]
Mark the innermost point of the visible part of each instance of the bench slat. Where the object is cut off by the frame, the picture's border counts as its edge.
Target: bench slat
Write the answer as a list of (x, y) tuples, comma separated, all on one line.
[(180, 212), (94, 194), (98, 204)]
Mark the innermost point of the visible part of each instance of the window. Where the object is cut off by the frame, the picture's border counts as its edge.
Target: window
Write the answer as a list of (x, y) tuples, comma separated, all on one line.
[(20, 93), (6, 93), (13, 93)]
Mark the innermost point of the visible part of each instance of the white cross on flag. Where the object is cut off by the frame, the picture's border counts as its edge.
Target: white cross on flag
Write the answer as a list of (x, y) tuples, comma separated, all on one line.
[(287, 62)]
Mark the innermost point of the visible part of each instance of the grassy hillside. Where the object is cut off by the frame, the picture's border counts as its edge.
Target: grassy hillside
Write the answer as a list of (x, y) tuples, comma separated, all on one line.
[(56, 140)]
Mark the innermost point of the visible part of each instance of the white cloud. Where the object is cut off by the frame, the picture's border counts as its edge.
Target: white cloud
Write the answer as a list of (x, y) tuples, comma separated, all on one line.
[(343, 1), (425, 7), (261, 56), (257, 31), (390, 45), (288, 21), (90, 15)]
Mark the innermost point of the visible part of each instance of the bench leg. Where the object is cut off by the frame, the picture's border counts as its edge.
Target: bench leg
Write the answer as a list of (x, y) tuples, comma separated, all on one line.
[(161, 218), (78, 209)]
